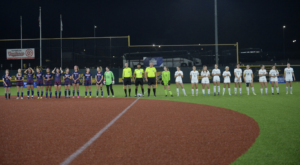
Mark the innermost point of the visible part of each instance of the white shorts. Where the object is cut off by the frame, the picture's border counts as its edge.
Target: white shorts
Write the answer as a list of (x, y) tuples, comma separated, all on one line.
[(273, 79), (178, 81), (249, 80), (227, 81), (205, 81), (262, 79), (288, 79), (238, 81), (194, 81), (216, 79)]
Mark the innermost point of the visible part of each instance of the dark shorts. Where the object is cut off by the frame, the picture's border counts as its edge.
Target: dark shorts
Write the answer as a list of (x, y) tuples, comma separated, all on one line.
[(77, 82), (39, 83), (8, 85), (101, 82), (151, 81), (127, 81), (48, 83), (67, 82), (165, 83), (57, 83), (19, 83), (87, 83), (139, 81), (29, 83)]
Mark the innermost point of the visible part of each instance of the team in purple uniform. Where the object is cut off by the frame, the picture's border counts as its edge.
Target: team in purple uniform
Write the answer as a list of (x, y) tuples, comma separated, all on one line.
[(57, 80), (39, 82), (19, 79), (67, 78), (48, 82), (76, 77), (30, 72), (87, 79), (99, 80), (6, 83)]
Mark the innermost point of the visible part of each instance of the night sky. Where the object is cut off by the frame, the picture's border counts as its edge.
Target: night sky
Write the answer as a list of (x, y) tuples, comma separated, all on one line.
[(252, 23)]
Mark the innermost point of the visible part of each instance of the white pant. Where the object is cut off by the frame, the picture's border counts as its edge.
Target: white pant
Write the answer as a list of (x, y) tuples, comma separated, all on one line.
[(205, 81), (248, 80), (273, 79), (288, 79), (262, 79), (178, 81), (216, 79), (238, 81), (194, 81)]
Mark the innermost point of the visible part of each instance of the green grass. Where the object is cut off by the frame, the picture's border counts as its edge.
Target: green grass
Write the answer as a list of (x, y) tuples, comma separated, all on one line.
[(278, 117)]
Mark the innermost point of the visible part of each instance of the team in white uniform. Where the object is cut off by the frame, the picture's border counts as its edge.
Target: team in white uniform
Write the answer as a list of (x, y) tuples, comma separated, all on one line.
[(248, 78), (205, 80), (238, 78), (194, 76), (263, 79), (226, 74), (288, 76), (216, 79), (273, 78), (178, 79)]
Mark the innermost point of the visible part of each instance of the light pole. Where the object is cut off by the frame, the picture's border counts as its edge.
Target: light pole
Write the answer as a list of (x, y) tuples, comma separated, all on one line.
[(283, 45), (95, 27), (216, 33)]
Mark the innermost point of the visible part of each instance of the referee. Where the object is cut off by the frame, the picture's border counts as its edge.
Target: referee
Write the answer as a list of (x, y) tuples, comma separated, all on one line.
[(138, 78), (126, 78), (150, 76)]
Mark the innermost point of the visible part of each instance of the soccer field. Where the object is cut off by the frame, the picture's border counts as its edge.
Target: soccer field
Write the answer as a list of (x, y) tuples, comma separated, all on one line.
[(278, 117)]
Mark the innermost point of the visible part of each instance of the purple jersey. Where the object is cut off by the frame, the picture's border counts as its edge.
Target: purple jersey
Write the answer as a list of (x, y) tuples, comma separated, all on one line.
[(75, 75), (87, 76), (6, 78), (57, 77), (99, 76), (19, 77), (48, 76), (39, 77), (67, 76), (30, 77)]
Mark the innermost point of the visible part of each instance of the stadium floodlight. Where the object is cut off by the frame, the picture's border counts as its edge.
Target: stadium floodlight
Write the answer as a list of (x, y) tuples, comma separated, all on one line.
[(284, 26), (153, 44), (159, 46), (294, 41), (95, 27)]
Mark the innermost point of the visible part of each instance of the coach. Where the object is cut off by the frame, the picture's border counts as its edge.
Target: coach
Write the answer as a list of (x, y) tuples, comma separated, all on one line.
[(151, 75), (126, 78)]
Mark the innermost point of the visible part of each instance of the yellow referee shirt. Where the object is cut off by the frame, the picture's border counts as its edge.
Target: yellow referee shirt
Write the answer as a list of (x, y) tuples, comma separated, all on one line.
[(126, 73), (139, 73), (151, 72)]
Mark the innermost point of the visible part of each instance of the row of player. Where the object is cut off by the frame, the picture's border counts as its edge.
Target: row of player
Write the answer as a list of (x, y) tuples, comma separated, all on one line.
[(150, 75)]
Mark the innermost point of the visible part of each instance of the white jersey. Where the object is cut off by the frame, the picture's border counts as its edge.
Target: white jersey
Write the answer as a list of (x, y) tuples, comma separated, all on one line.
[(238, 72), (178, 78), (288, 73), (262, 72), (227, 78), (216, 71), (205, 74), (248, 73), (274, 72), (194, 75)]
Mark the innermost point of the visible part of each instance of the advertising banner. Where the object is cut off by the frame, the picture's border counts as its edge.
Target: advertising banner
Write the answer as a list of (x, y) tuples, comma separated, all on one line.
[(18, 54), (157, 61)]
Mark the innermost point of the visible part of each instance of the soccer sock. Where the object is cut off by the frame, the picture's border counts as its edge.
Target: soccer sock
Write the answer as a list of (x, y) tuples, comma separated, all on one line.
[(253, 89), (136, 91), (170, 92), (291, 89), (214, 89), (77, 93), (183, 90), (5, 95), (90, 93), (85, 93), (38, 93), (46, 94), (28, 93), (59, 94), (247, 89), (69, 93), (177, 90), (125, 92), (129, 92), (261, 91), (154, 91), (50, 94), (97, 92), (107, 88), (148, 91), (101, 92), (224, 90), (219, 89), (287, 89), (143, 91), (266, 89), (208, 91), (166, 92), (8, 95), (55, 93), (272, 89), (196, 91), (65, 93), (17, 94), (203, 91), (229, 91), (73, 92), (32, 92), (112, 91), (277, 89), (235, 91), (42, 92), (192, 91), (21, 94), (240, 90)]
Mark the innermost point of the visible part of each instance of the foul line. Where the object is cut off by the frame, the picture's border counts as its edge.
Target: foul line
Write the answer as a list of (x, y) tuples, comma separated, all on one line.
[(86, 145)]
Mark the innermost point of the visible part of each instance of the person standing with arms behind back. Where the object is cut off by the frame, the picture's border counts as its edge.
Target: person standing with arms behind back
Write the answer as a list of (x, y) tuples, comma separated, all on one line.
[(138, 79), (166, 77), (288, 76), (194, 74), (109, 80), (150, 76), (126, 78)]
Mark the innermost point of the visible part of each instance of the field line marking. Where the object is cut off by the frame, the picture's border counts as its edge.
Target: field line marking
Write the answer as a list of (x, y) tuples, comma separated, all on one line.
[(95, 137)]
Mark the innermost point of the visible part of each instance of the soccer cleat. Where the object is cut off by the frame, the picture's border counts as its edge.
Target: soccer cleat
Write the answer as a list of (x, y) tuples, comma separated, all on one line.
[(31, 97), (107, 96), (291, 93), (166, 96), (85, 97), (113, 96), (154, 95), (97, 97), (17, 98), (21, 98), (171, 95), (135, 96), (218, 93), (73, 97), (272, 93), (254, 93), (148, 95), (248, 93), (229, 94), (102, 96), (129, 96), (125, 95), (278, 93), (65, 96), (196, 95), (27, 97), (287, 93), (214, 94), (203, 94), (142, 95), (38, 97), (208, 94), (90, 97), (41, 97), (240, 94)]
